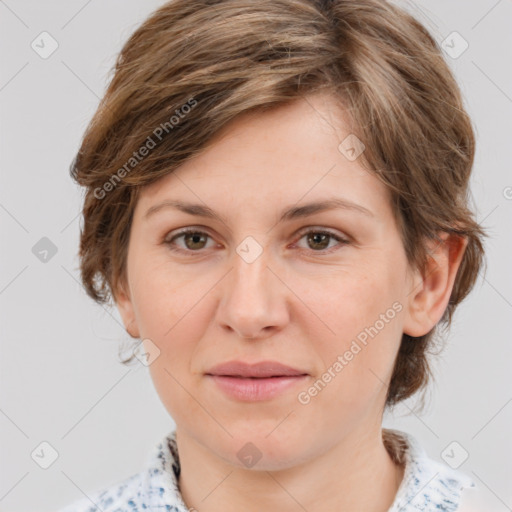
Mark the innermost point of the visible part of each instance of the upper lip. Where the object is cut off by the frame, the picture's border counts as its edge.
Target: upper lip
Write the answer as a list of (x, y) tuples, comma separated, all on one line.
[(262, 369)]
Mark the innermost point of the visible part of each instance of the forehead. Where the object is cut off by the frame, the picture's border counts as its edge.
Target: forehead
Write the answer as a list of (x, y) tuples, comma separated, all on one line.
[(265, 160)]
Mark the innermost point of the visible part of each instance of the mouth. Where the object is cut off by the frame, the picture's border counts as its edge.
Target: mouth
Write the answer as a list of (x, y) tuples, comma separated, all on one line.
[(263, 369), (255, 382)]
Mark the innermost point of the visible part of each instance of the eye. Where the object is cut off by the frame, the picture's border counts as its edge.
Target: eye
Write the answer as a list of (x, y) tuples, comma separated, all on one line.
[(194, 240), (320, 239)]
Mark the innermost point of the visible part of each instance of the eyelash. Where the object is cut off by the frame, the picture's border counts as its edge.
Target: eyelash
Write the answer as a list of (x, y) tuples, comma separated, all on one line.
[(342, 241)]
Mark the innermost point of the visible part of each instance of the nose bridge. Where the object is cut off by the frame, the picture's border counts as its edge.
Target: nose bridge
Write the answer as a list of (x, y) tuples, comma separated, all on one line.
[(252, 298), (250, 272)]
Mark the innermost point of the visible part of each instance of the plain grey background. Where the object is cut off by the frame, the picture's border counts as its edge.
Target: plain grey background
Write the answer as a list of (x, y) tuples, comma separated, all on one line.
[(61, 381)]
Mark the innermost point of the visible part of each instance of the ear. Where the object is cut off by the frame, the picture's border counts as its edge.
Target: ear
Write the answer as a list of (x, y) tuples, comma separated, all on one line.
[(124, 304), (430, 290)]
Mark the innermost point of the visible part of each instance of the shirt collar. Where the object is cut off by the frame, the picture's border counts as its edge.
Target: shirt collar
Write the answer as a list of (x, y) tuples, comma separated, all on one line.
[(160, 487), (426, 480)]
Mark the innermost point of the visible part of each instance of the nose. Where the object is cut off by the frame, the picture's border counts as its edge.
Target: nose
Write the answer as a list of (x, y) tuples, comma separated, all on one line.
[(254, 299)]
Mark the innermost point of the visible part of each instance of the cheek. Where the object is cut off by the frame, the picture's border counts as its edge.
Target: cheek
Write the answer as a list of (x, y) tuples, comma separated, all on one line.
[(171, 310), (162, 297), (173, 321), (347, 303), (363, 313)]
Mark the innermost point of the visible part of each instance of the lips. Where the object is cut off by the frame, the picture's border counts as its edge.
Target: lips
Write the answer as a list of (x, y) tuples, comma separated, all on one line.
[(263, 381), (260, 370)]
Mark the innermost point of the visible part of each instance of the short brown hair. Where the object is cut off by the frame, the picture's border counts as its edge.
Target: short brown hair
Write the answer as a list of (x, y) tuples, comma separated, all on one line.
[(195, 65)]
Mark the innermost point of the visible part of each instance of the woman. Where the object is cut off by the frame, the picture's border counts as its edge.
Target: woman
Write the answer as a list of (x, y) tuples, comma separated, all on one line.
[(276, 201)]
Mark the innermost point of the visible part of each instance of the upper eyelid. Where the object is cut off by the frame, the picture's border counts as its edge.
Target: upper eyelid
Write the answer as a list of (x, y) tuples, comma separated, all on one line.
[(206, 231)]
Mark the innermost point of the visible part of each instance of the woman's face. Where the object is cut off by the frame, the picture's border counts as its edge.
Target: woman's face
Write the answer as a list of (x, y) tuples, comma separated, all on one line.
[(258, 283)]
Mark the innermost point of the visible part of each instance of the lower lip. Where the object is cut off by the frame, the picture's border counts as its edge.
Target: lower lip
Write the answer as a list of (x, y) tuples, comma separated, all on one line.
[(254, 390)]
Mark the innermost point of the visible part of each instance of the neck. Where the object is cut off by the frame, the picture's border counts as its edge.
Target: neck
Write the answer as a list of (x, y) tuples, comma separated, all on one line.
[(339, 479)]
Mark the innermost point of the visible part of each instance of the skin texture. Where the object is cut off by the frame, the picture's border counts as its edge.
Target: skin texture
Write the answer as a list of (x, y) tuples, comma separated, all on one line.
[(302, 302)]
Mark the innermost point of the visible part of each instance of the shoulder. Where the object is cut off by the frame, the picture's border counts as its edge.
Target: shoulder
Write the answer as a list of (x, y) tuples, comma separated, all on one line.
[(124, 495), (154, 488)]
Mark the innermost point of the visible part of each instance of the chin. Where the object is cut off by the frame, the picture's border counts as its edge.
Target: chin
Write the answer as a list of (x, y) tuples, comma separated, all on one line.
[(267, 446)]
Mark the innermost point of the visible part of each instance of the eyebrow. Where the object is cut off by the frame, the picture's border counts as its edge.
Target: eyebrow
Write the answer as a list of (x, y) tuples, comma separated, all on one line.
[(290, 213)]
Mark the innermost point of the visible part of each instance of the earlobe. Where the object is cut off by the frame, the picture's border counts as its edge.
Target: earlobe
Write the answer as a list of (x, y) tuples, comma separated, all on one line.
[(430, 290), (125, 307)]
